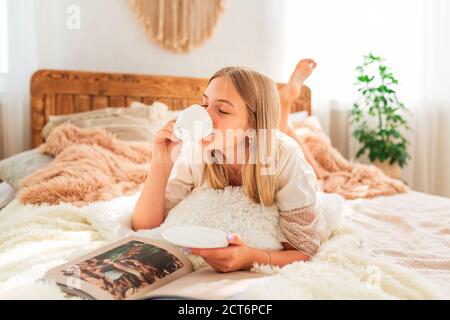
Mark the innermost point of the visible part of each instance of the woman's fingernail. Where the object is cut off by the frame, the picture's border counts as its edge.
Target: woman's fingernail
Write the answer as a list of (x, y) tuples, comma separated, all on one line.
[(229, 237), (187, 250)]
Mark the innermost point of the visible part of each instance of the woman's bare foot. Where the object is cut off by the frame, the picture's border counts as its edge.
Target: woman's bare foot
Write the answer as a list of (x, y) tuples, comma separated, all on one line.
[(292, 89), (301, 72)]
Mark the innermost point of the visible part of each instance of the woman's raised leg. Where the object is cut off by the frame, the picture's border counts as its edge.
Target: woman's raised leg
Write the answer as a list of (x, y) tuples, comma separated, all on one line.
[(292, 89), (288, 94)]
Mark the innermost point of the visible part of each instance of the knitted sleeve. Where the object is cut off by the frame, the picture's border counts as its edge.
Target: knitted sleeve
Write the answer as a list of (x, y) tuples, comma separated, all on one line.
[(302, 228), (300, 211)]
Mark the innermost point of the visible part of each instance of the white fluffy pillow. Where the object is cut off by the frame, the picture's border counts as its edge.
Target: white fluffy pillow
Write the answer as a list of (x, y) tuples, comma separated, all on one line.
[(231, 211), (228, 210)]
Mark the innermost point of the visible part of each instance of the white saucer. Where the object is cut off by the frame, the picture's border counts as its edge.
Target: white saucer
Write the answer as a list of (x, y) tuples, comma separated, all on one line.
[(196, 237)]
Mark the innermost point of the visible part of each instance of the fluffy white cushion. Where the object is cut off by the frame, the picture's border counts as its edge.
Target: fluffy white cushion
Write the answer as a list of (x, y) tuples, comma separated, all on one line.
[(228, 210), (231, 211), (333, 206)]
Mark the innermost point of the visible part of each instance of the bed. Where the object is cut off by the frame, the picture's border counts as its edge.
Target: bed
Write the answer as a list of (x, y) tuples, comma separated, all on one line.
[(389, 247)]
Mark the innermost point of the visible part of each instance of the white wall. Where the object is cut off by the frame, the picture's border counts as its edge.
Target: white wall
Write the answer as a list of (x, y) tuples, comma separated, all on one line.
[(111, 39)]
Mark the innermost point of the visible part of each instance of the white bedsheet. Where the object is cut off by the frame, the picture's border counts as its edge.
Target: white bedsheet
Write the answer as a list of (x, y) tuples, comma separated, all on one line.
[(413, 229)]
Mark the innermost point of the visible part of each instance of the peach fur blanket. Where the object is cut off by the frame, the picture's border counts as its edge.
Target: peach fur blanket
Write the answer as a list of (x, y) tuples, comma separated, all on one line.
[(92, 165), (337, 174)]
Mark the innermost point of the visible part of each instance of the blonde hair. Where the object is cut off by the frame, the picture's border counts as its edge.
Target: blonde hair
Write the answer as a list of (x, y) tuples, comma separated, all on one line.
[(262, 101)]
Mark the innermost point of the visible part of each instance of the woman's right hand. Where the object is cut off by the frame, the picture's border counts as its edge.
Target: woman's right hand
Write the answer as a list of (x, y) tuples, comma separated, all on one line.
[(166, 146), (150, 207)]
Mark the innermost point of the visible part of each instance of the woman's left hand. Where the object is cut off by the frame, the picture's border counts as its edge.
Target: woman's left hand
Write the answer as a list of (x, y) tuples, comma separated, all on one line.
[(232, 258)]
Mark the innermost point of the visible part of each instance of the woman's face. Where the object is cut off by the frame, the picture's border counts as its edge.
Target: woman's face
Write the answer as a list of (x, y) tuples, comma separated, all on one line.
[(228, 113)]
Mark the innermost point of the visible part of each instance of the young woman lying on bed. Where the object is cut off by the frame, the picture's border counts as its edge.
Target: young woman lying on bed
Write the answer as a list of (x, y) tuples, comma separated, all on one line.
[(242, 100)]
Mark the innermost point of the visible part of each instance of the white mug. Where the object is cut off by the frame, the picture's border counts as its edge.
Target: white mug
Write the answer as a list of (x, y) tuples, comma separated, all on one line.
[(193, 124)]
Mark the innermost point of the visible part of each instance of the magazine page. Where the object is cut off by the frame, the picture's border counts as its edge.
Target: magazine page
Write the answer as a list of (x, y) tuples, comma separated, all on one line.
[(206, 283), (126, 269)]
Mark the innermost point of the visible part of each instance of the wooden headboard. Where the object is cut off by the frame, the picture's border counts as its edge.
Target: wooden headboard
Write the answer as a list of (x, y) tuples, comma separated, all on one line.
[(57, 92)]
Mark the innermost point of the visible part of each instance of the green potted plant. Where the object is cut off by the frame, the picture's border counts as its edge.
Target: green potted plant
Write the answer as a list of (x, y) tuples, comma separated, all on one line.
[(377, 117)]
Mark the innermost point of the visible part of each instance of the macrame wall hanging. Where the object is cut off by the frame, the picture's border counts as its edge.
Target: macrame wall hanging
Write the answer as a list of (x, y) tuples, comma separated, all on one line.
[(178, 25)]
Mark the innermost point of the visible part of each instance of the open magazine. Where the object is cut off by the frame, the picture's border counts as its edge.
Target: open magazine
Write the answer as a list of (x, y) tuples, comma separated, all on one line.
[(141, 268)]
